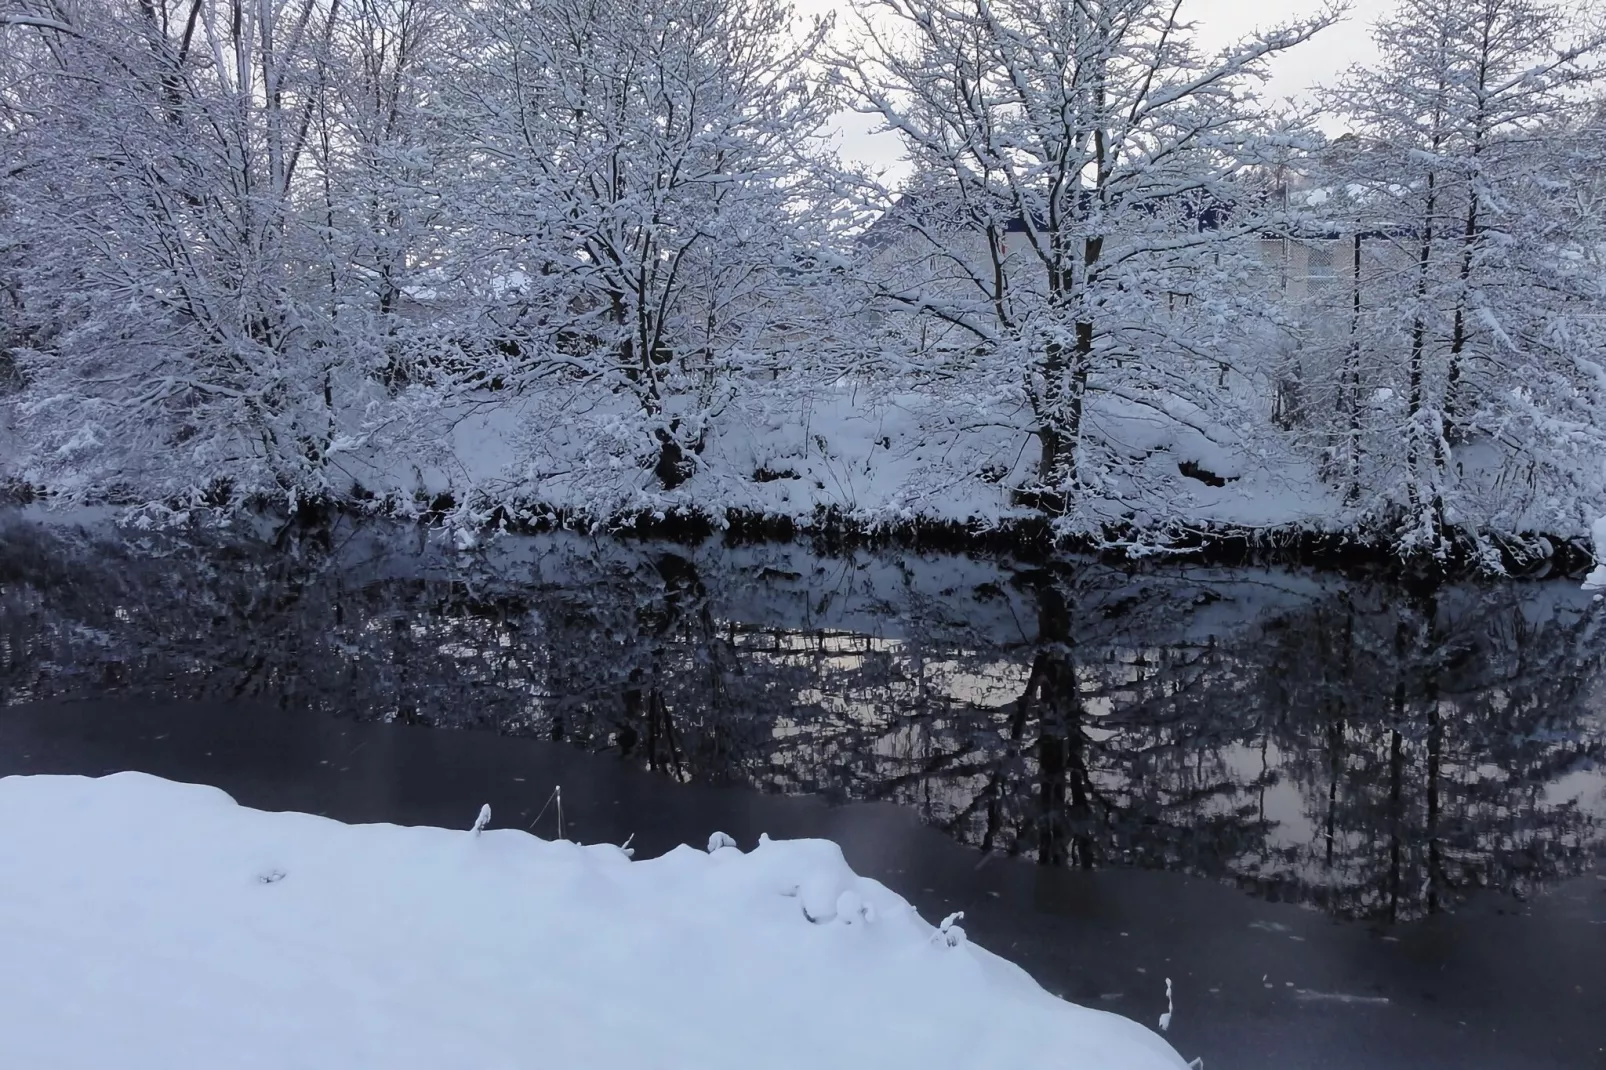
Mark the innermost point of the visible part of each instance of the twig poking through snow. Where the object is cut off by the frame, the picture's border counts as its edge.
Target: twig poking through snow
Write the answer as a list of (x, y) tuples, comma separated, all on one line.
[(1165, 1019), (483, 820), (557, 793)]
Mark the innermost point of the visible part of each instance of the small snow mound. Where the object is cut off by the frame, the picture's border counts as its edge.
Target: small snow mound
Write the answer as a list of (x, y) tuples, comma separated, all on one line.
[(851, 909), (821, 893)]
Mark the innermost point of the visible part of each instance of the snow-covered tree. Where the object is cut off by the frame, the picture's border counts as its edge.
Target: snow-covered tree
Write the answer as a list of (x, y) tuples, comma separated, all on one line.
[(1079, 221), (381, 150), (601, 254), (644, 181), (1466, 167), (155, 185)]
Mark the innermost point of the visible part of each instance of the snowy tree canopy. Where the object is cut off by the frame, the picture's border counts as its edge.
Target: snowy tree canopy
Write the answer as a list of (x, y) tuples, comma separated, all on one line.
[(582, 257)]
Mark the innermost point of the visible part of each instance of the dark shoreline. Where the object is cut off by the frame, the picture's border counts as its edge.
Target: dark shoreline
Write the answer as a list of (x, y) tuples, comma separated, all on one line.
[(831, 532)]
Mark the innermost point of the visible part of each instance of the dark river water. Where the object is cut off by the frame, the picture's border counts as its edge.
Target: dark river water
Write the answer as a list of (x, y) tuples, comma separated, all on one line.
[(1358, 825)]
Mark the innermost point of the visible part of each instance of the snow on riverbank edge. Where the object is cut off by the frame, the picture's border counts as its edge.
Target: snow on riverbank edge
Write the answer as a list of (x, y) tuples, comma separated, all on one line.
[(1596, 580), (153, 924)]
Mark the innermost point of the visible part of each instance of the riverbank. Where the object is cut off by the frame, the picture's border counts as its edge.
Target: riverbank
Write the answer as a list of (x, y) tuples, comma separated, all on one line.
[(843, 467), (156, 924), (1028, 537), (1032, 538)]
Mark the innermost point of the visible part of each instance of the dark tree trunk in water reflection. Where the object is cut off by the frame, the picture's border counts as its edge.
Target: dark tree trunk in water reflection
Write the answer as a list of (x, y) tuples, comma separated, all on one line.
[(1396, 843), (1370, 750), (1065, 818), (1435, 751), (1335, 677)]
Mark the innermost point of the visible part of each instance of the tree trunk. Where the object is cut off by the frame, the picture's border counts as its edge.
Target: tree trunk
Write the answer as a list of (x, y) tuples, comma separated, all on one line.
[(1073, 416), (1049, 438), (1417, 415), (1458, 332), (673, 467), (1352, 385)]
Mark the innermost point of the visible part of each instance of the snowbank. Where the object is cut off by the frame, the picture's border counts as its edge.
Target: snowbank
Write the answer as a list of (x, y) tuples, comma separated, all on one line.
[(148, 924), (1596, 580), (877, 457)]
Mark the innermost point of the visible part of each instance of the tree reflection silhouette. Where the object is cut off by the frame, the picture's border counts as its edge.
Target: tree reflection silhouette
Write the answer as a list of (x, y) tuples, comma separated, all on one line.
[(1373, 750)]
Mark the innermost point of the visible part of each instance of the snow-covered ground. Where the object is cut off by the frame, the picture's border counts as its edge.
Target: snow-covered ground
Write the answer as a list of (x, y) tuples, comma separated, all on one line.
[(874, 455), (877, 455), (146, 924), (883, 456)]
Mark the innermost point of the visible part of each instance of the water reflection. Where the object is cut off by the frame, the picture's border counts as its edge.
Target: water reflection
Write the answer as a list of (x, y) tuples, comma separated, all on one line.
[(1367, 749)]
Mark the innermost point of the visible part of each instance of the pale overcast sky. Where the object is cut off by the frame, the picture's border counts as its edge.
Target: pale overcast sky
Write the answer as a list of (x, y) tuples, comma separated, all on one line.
[(1220, 22)]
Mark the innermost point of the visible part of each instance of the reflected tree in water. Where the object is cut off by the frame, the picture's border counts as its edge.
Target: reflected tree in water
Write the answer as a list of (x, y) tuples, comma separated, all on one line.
[(1373, 750)]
